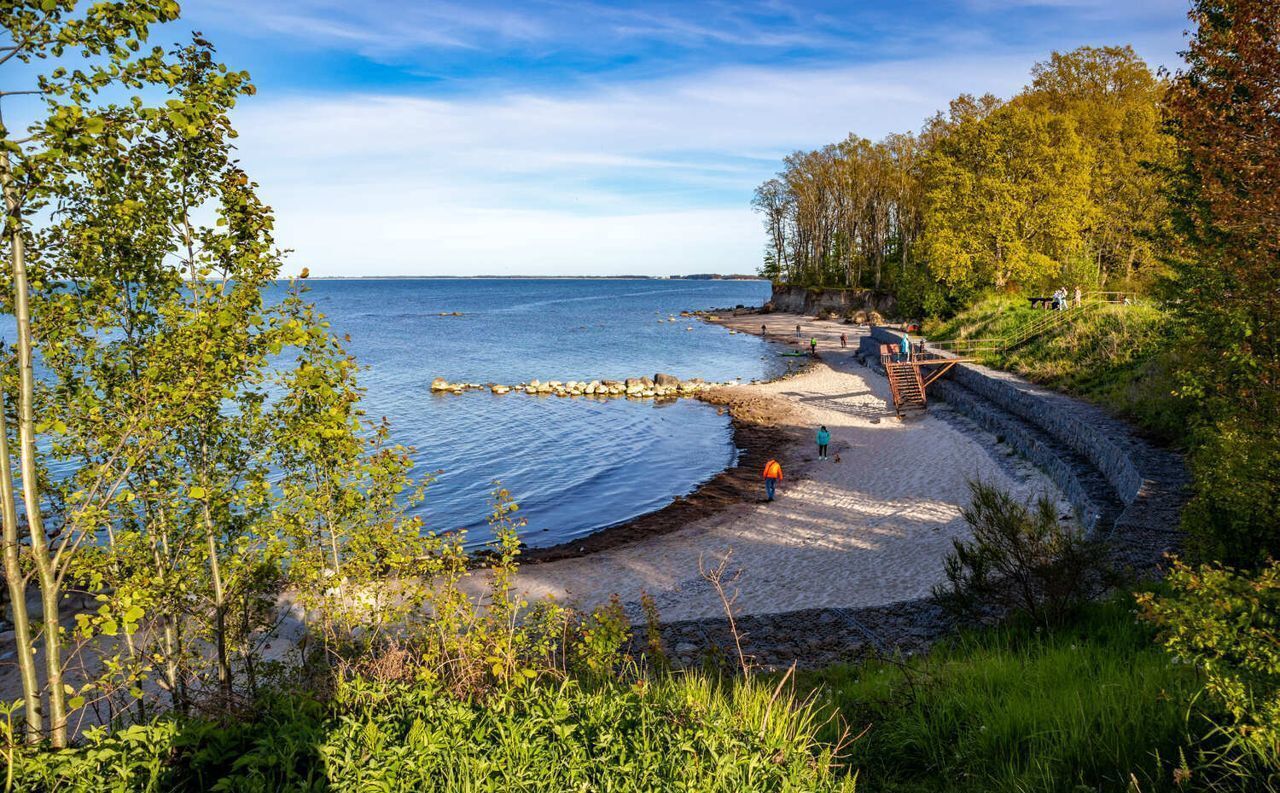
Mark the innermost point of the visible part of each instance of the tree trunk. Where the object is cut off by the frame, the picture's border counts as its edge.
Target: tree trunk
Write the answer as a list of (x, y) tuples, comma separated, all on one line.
[(219, 608), (169, 637), (34, 716), (45, 574)]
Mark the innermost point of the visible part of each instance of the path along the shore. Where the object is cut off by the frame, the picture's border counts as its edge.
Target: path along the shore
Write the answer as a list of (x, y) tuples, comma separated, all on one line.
[(870, 529)]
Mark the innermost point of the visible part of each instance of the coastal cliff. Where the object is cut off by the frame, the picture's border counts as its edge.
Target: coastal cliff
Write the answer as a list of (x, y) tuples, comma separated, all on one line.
[(817, 300)]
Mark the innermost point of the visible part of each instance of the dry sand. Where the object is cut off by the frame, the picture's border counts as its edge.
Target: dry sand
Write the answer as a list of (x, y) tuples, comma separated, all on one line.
[(870, 529)]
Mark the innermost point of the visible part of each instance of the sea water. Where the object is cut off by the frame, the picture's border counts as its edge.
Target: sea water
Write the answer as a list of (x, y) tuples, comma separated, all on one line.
[(575, 465)]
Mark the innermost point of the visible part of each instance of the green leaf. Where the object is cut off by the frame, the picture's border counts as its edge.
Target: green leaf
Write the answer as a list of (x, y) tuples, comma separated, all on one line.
[(197, 493)]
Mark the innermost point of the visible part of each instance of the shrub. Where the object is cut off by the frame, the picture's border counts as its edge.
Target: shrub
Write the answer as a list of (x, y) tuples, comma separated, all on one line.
[(1234, 516), (603, 639), (1019, 559), (1228, 625)]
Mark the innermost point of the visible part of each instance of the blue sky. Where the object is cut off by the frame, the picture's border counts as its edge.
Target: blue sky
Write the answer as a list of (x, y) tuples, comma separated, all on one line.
[(433, 138)]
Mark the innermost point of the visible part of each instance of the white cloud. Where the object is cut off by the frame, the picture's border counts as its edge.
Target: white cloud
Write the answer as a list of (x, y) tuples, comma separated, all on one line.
[(399, 236), (653, 177), (377, 28)]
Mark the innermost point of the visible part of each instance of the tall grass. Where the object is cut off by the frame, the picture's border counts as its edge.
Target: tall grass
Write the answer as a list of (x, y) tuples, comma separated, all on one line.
[(1092, 706), (675, 732)]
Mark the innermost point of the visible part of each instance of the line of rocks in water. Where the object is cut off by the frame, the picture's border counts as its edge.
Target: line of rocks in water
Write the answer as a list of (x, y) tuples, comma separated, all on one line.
[(660, 386)]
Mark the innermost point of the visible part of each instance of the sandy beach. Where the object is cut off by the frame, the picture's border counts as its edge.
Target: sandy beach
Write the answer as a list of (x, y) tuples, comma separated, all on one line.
[(869, 526)]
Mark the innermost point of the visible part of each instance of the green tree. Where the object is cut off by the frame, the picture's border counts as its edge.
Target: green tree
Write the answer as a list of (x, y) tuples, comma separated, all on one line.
[(1006, 196), (167, 398), (1225, 290), (1115, 101), (107, 40)]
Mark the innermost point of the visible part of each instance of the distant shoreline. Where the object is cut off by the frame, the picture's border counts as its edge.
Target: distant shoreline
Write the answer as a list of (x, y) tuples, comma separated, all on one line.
[(532, 278)]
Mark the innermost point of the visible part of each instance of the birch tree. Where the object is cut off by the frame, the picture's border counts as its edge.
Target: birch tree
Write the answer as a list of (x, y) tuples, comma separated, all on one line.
[(104, 43)]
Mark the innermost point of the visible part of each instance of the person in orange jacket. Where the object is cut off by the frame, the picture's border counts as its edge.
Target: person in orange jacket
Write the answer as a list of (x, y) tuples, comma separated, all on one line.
[(772, 476)]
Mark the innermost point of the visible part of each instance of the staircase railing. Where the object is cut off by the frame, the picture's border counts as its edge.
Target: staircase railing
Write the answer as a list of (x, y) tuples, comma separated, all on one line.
[(1036, 327)]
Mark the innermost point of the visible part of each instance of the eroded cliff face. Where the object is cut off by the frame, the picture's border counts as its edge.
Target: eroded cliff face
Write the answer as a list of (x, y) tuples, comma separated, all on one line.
[(807, 300)]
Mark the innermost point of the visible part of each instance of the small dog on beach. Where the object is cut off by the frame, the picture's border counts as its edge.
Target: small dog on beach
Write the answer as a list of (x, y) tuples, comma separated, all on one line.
[(836, 459)]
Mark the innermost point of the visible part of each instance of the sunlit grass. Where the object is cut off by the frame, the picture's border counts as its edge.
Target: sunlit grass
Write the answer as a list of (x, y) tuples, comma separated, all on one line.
[(1096, 704), (1117, 356)]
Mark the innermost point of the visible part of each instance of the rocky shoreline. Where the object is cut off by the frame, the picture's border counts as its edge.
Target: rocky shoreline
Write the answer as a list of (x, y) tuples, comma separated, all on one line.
[(660, 386)]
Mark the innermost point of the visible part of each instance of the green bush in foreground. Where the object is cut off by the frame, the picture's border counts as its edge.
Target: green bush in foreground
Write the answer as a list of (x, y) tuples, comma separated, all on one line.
[(1091, 706), (1227, 624), (1021, 558), (680, 733)]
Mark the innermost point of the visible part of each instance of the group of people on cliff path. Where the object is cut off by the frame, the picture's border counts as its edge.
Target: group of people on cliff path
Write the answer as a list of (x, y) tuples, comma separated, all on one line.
[(1062, 301)]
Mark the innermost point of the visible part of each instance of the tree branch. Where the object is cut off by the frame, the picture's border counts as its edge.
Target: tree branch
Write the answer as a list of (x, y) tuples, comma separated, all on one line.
[(20, 45)]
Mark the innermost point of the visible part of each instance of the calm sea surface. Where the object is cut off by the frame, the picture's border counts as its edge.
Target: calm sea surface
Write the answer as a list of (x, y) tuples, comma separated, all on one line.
[(574, 465)]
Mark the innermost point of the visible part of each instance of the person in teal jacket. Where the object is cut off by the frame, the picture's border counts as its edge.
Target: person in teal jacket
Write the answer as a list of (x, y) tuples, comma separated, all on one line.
[(906, 347), (824, 438)]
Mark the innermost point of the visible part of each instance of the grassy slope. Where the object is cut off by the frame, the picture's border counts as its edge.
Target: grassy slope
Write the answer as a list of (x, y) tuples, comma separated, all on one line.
[(1115, 356), (1083, 707)]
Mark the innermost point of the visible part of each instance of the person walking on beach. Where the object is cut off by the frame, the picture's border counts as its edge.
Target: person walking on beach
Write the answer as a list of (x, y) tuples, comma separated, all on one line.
[(844, 340), (813, 346), (799, 335), (772, 476), (824, 438), (764, 330)]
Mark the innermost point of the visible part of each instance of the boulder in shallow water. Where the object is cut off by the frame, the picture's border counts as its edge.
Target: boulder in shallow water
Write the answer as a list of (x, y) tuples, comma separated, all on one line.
[(665, 380), (439, 384), (500, 389), (634, 386)]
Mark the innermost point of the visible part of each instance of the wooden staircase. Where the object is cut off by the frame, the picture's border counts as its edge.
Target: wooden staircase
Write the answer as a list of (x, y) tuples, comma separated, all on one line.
[(906, 384), (911, 374)]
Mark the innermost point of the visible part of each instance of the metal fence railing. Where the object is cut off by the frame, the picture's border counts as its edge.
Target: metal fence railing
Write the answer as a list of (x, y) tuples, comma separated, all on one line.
[(1053, 318)]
